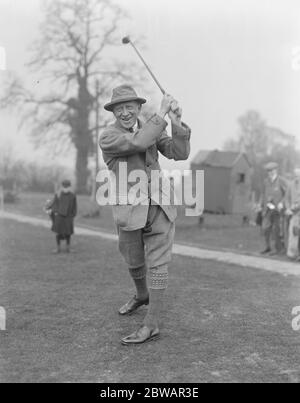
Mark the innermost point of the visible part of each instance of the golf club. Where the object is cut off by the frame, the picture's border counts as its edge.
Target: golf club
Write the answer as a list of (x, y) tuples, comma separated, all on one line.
[(127, 40)]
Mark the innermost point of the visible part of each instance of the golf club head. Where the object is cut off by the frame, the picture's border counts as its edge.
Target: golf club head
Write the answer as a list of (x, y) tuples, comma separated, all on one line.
[(126, 40)]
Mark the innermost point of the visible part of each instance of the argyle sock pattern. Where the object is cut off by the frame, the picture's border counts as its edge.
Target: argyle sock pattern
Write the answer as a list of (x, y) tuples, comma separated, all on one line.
[(158, 285)]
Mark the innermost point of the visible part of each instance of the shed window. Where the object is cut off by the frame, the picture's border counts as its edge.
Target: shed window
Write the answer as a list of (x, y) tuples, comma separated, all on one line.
[(241, 178)]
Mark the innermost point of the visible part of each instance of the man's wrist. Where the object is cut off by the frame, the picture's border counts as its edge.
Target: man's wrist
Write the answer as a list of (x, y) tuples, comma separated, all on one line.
[(158, 120), (176, 122), (162, 113)]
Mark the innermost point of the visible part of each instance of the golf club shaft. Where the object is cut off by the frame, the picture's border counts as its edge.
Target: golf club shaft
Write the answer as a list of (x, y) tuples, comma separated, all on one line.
[(148, 68)]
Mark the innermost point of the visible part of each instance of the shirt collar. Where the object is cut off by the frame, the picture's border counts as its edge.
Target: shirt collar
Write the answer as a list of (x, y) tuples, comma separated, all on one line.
[(137, 125), (273, 179), (133, 129)]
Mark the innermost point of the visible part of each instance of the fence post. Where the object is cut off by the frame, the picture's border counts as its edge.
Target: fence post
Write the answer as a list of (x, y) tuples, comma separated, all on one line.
[(2, 58), (2, 318), (1, 199)]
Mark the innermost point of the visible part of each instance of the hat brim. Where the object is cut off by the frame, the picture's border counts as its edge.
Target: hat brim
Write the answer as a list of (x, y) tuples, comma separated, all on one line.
[(271, 167), (110, 106), (66, 184)]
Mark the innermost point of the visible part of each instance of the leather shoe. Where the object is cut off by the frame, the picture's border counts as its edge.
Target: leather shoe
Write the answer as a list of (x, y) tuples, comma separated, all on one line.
[(133, 305), (265, 251), (276, 253), (142, 335)]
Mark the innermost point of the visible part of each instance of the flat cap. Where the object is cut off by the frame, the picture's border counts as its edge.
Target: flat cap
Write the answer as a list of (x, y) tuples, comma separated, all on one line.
[(66, 183), (271, 165)]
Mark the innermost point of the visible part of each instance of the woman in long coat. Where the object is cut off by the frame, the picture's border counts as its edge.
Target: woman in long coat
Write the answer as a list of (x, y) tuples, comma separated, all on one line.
[(64, 210)]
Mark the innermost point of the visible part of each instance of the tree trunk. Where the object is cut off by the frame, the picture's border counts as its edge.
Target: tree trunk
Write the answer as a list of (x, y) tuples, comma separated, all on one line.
[(82, 170), (83, 138)]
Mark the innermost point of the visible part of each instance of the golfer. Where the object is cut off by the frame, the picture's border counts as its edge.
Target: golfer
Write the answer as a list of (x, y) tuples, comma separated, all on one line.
[(146, 230)]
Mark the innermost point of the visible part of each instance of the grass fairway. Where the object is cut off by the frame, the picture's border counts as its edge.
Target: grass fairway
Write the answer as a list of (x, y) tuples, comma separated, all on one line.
[(219, 232), (222, 323)]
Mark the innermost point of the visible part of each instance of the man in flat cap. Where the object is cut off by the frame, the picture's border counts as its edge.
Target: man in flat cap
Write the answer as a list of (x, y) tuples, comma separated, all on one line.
[(273, 204), (146, 230), (293, 213)]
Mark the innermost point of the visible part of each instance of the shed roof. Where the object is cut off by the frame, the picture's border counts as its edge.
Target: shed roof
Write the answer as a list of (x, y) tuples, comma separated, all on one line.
[(215, 158)]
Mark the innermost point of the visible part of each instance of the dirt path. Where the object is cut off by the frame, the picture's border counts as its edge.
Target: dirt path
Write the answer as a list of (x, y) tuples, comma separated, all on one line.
[(281, 267)]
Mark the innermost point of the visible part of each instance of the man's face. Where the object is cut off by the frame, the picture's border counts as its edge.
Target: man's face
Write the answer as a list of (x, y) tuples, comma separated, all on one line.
[(127, 113), (272, 173)]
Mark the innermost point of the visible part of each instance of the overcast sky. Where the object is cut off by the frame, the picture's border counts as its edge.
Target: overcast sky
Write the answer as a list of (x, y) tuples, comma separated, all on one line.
[(219, 58)]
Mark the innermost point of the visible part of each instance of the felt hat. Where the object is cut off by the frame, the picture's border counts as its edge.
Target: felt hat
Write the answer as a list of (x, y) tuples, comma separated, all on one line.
[(123, 93)]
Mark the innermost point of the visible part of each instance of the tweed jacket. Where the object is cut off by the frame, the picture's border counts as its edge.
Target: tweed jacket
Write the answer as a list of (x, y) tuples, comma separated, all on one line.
[(274, 192), (139, 151)]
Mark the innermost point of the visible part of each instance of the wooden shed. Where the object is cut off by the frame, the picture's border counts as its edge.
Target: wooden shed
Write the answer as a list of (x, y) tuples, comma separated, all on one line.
[(227, 181)]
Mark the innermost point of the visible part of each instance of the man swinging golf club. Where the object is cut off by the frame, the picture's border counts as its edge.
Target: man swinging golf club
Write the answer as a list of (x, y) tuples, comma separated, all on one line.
[(146, 231)]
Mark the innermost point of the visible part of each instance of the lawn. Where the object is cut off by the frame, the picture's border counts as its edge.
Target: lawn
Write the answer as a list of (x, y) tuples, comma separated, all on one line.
[(222, 323), (219, 231)]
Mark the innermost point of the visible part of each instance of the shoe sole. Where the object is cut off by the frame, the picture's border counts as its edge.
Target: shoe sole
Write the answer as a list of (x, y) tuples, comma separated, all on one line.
[(152, 338)]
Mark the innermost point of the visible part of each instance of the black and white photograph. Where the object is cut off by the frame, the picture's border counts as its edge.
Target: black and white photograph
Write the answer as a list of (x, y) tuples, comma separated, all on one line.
[(149, 194)]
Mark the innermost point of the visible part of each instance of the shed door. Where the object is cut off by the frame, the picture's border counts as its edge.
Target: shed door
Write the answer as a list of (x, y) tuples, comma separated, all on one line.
[(240, 194)]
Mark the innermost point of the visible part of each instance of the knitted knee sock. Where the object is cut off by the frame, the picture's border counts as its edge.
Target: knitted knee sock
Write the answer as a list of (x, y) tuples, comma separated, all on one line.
[(140, 280), (159, 283)]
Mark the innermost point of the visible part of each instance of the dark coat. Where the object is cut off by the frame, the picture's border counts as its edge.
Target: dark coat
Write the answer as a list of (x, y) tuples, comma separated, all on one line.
[(64, 209)]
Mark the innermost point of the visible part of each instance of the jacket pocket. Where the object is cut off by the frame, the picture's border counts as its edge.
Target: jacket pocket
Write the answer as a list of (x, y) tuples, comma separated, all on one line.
[(122, 214), (171, 212)]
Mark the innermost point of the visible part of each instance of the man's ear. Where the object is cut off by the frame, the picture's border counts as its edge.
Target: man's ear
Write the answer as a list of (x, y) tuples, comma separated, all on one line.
[(139, 109)]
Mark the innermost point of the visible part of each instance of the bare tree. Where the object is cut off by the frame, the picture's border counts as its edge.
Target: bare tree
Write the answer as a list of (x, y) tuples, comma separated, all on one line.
[(253, 139), (263, 143), (71, 56)]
